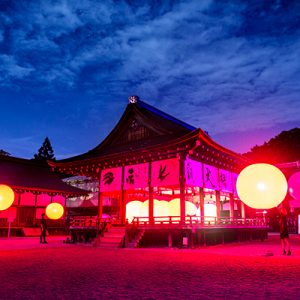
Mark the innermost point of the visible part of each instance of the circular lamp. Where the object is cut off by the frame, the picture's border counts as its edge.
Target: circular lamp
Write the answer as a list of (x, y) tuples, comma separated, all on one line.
[(294, 186), (54, 211), (261, 186), (7, 196)]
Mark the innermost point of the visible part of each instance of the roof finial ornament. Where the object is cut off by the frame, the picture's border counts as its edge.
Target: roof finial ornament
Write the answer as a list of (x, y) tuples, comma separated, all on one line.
[(134, 99)]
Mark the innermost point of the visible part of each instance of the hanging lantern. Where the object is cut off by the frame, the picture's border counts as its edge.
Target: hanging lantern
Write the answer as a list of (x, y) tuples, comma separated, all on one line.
[(261, 186), (294, 186), (54, 211), (7, 196)]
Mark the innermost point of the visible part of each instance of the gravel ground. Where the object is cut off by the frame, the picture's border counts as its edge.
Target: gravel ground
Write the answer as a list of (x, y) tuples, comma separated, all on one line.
[(30, 270)]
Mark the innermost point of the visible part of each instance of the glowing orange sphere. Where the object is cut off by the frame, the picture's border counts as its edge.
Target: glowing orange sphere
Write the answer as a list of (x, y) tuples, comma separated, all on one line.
[(158, 209), (54, 211), (261, 186), (7, 196), (132, 210), (173, 208)]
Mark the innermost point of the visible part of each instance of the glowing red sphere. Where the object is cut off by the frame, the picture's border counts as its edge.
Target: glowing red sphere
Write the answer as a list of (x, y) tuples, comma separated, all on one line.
[(294, 186)]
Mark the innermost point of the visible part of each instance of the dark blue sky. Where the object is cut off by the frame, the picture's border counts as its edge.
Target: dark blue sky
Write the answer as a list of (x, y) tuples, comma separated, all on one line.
[(68, 67)]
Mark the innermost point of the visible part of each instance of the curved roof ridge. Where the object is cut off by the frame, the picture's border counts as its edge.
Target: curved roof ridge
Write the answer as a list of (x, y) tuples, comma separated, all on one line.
[(165, 115)]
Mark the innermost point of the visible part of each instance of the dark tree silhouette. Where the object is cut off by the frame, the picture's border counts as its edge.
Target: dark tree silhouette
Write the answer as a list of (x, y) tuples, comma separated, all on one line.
[(284, 148), (45, 152), (4, 153)]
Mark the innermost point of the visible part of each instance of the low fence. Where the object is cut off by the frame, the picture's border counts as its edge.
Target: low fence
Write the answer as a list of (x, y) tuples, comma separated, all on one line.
[(200, 222)]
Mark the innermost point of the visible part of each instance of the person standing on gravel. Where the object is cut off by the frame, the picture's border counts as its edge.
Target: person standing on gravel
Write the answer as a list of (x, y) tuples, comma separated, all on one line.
[(43, 229), (284, 235)]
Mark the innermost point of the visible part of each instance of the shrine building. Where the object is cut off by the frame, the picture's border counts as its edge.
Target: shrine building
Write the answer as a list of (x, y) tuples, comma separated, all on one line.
[(170, 179), (35, 186)]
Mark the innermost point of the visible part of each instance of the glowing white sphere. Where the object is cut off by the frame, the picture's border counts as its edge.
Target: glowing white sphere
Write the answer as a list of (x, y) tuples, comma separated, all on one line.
[(261, 186)]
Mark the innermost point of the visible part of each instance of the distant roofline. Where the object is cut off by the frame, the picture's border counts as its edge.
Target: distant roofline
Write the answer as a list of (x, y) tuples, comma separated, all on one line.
[(165, 115)]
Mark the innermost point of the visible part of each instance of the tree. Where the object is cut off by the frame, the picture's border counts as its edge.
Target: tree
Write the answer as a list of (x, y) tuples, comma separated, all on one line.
[(284, 148), (4, 153), (45, 152)]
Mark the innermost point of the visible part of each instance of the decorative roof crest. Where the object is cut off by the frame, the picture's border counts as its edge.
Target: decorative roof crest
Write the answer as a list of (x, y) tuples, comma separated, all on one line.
[(134, 99)]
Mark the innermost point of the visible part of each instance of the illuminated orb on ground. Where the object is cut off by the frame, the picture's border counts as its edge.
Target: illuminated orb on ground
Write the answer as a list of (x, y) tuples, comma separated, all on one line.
[(173, 208), (7, 196), (54, 211), (190, 208), (294, 186), (158, 209), (261, 186), (164, 203), (132, 210), (209, 210)]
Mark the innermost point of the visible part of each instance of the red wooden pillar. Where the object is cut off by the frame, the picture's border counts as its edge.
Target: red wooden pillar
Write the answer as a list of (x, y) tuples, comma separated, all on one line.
[(231, 205), (243, 210), (182, 188), (100, 203), (201, 201), (122, 217), (151, 202), (218, 204)]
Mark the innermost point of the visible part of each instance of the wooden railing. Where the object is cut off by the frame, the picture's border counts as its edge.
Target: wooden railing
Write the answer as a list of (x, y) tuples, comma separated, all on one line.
[(198, 221)]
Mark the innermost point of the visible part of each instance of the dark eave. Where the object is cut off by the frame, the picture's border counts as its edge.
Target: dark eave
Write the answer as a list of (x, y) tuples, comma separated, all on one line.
[(28, 175), (196, 144)]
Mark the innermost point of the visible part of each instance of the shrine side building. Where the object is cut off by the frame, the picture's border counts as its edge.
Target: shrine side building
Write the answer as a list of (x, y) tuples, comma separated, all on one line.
[(154, 158)]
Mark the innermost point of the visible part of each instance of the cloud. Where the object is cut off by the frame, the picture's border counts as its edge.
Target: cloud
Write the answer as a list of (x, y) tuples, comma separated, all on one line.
[(235, 62), (9, 67)]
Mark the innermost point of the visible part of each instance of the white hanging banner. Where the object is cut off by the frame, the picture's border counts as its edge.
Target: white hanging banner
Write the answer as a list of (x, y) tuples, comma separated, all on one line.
[(165, 172), (193, 173), (234, 179), (136, 176), (111, 180), (211, 177), (225, 181)]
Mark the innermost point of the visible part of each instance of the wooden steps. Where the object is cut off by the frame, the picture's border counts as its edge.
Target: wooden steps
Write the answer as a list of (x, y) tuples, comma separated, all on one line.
[(135, 241), (112, 238)]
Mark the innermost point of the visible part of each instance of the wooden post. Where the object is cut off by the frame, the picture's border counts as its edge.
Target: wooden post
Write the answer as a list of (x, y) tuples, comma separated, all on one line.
[(122, 217), (170, 239), (151, 202), (100, 209), (182, 189), (123, 203), (231, 205), (218, 203), (243, 214), (201, 200)]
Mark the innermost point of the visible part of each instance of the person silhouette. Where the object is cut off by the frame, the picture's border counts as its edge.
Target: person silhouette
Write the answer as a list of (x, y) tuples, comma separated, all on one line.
[(284, 234), (43, 229)]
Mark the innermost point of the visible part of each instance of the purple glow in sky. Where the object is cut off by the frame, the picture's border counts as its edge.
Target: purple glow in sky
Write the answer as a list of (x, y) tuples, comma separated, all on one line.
[(67, 69)]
